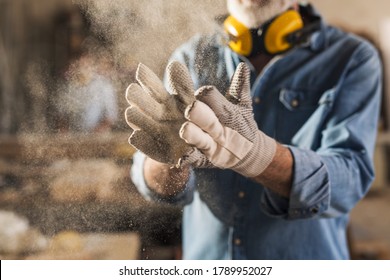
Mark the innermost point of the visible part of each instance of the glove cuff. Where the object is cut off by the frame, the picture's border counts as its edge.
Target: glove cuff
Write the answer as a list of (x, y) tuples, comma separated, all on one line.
[(259, 158)]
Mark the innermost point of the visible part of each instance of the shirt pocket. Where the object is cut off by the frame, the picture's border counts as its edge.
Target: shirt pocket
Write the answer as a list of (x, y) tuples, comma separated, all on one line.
[(300, 108)]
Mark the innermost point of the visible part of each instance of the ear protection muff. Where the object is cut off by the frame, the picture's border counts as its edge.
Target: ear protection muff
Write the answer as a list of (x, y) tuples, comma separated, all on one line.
[(275, 36)]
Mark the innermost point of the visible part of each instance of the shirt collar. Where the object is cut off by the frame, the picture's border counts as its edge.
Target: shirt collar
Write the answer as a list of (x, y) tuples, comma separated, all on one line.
[(318, 40)]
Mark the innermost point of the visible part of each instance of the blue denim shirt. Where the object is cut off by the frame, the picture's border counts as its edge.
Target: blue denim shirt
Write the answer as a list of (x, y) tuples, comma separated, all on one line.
[(320, 100)]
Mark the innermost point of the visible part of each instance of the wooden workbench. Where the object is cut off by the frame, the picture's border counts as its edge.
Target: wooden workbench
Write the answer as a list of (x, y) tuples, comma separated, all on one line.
[(24, 161)]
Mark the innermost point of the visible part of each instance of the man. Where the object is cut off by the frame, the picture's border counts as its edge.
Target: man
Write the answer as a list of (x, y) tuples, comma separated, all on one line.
[(271, 172), (88, 101)]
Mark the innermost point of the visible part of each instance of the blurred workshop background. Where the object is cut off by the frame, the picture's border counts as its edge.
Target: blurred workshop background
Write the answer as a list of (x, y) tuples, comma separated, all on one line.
[(65, 191)]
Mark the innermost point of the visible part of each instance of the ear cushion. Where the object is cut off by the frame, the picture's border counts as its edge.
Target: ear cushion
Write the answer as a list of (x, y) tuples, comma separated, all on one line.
[(240, 37), (277, 31)]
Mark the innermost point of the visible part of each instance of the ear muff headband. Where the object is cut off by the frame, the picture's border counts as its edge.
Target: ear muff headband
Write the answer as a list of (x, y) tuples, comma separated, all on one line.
[(271, 38)]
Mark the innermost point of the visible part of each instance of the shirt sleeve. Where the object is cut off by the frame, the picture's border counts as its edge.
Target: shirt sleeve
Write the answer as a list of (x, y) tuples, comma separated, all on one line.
[(329, 181)]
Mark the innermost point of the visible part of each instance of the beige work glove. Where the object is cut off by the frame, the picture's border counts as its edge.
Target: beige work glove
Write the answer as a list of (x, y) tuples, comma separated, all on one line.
[(156, 116), (223, 128)]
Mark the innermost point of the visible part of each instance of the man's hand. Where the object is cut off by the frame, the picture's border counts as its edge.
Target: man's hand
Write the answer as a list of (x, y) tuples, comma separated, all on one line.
[(156, 116), (224, 129)]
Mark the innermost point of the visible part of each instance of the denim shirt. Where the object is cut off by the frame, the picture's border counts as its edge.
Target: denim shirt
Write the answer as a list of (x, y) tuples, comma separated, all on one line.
[(322, 102)]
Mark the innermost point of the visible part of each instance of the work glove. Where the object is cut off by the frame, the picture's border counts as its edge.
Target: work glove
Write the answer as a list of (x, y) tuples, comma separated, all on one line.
[(224, 130), (156, 116)]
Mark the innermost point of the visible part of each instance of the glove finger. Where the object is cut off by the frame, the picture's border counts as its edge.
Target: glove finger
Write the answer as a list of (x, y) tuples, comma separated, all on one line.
[(180, 83), (139, 121), (215, 100), (239, 89), (219, 155), (151, 83), (203, 117), (194, 135), (151, 147), (136, 96), (195, 158)]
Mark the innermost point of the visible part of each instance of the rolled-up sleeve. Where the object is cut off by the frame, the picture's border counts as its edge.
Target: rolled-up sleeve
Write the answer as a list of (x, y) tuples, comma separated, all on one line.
[(331, 179), (137, 175)]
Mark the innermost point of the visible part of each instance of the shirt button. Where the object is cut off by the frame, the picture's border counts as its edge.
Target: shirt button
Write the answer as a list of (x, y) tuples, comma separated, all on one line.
[(295, 213), (257, 100), (241, 194), (314, 210), (294, 103), (237, 242)]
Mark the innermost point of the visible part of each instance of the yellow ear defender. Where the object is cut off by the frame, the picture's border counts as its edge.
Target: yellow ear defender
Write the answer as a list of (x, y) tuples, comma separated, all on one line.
[(278, 35), (277, 31), (240, 38)]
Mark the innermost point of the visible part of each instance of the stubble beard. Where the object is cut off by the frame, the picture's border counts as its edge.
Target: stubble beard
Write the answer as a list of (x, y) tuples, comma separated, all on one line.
[(254, 13)]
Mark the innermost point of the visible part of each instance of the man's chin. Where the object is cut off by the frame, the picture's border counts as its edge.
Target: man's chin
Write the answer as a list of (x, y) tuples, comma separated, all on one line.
[(255, 3), (255, 15)]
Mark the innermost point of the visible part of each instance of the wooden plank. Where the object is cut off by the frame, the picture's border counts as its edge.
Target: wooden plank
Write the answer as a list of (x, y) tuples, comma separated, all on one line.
[(49, 147), (71, 245)]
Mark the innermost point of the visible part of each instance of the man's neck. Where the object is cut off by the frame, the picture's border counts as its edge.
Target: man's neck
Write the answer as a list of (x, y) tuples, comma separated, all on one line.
[(260, 61)]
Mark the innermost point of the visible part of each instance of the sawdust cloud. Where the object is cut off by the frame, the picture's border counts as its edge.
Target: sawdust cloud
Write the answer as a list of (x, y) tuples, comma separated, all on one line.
[(38, 84), (136, 31), (148, 31)]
